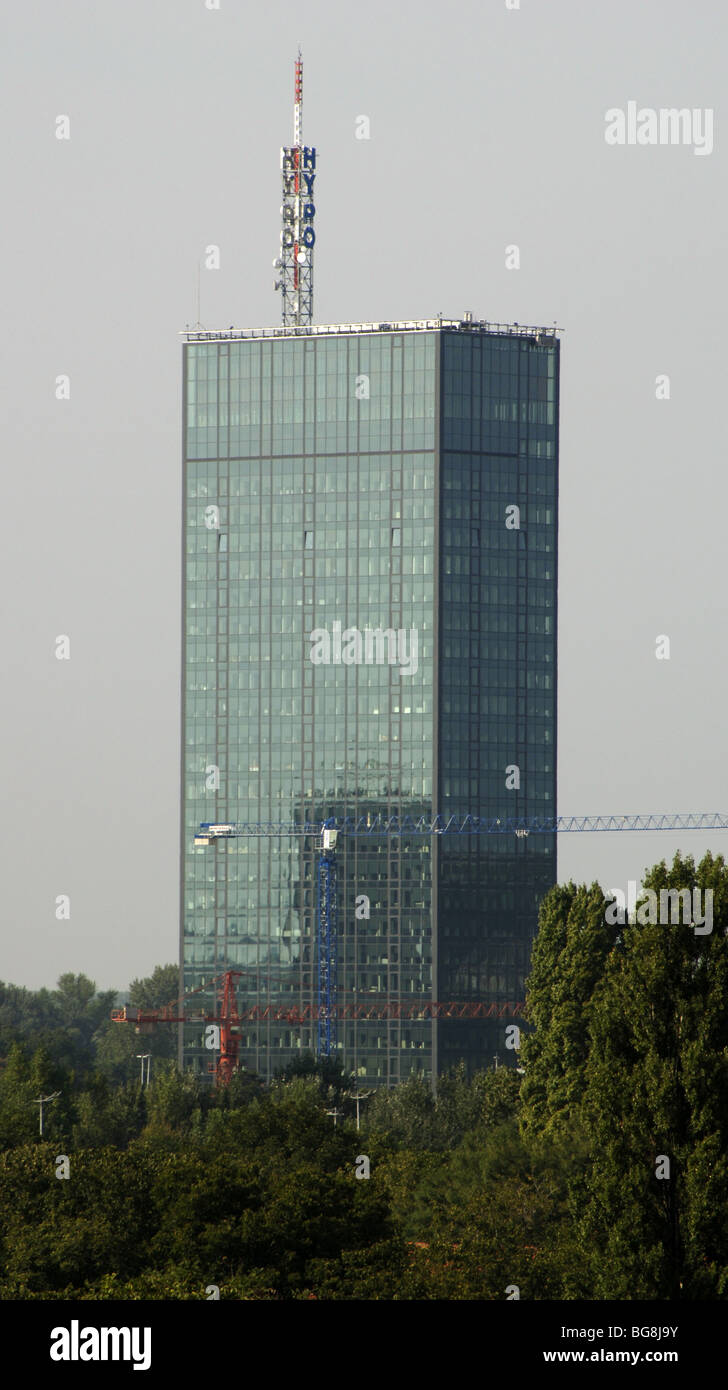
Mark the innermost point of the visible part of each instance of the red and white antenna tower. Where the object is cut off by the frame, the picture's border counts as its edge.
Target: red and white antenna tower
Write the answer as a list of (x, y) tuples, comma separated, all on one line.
[(295, 263)]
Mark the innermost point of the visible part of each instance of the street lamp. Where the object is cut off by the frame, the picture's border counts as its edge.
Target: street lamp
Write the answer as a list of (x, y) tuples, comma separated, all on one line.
[(360, 1095), (145, 1057), (41, 1101)]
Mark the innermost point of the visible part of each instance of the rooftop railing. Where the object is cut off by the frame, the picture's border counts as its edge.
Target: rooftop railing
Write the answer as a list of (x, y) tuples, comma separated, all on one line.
[(519, 330)]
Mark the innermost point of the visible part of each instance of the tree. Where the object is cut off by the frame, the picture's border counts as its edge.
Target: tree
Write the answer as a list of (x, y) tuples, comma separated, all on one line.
[(329, 1073), (80, 1009), (155, 990), (569, 956), (496, 1216), (656, 1102), (117, 1044), (26, 1011), (39, 1018), (58, 1234), (405, 1114), (629, 1060), (465, 1104), (242, 1087), (18, 1123), (289, 1126), (177, 1100), (22, 1082), (106, 1116)]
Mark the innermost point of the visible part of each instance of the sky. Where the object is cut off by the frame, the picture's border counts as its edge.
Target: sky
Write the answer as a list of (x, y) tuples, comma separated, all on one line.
[(487, 129)]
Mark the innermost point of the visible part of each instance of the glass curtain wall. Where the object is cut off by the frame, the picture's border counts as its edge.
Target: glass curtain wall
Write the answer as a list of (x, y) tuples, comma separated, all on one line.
[(497, 665), (310, 499), (402, 485)]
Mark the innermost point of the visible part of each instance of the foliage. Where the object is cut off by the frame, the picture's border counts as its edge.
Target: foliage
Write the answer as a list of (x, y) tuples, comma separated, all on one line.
[(630, 1058), (157, 990), (544, 1179), (568, 961), (657, 1084)]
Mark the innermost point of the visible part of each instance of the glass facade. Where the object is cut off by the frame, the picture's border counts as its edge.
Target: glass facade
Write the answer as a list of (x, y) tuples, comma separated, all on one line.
[(497, 668), (369, 625)]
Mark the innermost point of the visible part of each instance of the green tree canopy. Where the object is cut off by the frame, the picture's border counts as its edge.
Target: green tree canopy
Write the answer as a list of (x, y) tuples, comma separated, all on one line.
[(656, 1102), (155, 990), (569, 956), (630, 1058)]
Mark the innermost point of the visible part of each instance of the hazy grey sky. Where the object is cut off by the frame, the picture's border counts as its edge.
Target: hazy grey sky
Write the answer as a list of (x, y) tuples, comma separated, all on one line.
[(487, 130)]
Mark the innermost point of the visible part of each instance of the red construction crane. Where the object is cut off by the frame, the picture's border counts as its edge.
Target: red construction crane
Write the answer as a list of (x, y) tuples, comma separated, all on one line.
[(229, 1019), (226, 1018)]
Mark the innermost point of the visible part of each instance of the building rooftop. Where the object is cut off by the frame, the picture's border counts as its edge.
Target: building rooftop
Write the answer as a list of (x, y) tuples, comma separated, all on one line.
[(468, 324)]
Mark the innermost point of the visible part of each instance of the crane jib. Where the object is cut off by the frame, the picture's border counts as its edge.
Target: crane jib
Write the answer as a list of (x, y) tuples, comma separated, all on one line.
[(521, 826)]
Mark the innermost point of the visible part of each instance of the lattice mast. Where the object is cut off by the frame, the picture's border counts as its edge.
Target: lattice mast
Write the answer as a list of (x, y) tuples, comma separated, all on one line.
[(298, 236), (328, 931)]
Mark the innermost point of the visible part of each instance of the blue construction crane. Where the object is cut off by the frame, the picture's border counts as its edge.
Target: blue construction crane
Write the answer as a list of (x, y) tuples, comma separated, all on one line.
[(327, 919), (326, 834)]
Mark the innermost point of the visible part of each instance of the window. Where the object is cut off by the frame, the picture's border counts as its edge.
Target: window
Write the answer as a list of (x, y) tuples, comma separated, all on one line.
[(396, 535), (308, 540)]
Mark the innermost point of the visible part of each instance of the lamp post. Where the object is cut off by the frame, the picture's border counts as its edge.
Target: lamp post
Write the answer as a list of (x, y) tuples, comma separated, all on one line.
[(360, 1095), (145, 1057), (41, 1101)]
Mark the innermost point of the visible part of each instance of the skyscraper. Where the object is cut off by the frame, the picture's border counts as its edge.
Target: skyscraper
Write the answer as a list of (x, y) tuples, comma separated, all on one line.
[(369, 626)]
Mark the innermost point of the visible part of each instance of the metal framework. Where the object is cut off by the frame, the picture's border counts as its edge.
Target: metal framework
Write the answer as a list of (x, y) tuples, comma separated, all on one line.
[(229, 1018), (382, 1009), (327, 919), (468, 825), (295, 263), (225, 1017), (229, 1029), (328, 1010)]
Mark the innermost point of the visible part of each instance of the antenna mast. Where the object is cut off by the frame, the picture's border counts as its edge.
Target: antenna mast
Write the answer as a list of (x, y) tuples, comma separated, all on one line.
[(295, 263)]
